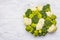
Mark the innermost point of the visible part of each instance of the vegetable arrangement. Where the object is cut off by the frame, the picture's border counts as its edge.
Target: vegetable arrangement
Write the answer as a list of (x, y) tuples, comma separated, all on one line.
[(40, 20)]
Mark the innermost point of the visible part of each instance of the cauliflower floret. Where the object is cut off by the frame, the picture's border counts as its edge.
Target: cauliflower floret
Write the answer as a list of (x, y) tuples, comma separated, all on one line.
[(27, 21), (39, 7), (41, 21), (33, 8), (49, 13), (52, 28), (40, 24)]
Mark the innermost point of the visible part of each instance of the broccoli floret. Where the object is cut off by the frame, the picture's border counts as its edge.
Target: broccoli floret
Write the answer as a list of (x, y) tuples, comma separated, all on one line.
[(35, 16), (39, 15), (48, 18), (33, 25), (44, 15), (47, 23), (46, 8), (32, 30), (54, 22), (43, 31), (28, 28), (53, 17), (35, 19), (40, 31), (36, 33), (28, 12), (31, 16)]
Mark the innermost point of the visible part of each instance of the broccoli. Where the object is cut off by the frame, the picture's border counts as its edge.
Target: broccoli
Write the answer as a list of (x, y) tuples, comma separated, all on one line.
[(36, 33), (35, 19), (32, 30), (33, 25), (44, 15), (53, 17), (43, 31), (48, 18), (54, 22), (46, 8), (47, 23), (35, 16), (31, 16), (39, 15), (28, 28), (28, 12)]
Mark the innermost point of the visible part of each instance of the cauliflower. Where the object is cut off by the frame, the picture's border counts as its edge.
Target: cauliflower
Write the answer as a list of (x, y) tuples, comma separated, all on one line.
[(49, 13), (52, 28), (33, 8), (39, 7), (27, 21), (41, 21), (40, 24)]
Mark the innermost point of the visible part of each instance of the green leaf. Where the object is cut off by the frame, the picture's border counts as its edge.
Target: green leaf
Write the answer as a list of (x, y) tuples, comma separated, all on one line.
[(35, 19), (28, 12), (46, 8)]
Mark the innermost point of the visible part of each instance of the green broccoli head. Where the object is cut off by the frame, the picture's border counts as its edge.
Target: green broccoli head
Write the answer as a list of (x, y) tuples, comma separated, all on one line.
[(28, 12), (46, 8), (53, 17), (28, 28), (36, 33), (47, 23), (44, 15), (35, 19)]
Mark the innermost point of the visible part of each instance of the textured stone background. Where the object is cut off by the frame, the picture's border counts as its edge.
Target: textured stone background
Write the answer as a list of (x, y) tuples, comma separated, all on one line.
[(11, 19)]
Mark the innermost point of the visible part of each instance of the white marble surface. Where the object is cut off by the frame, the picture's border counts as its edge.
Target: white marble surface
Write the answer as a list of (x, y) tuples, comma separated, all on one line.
[(11, 19)]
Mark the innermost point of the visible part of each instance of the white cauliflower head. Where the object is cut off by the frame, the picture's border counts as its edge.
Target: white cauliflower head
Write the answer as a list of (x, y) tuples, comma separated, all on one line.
[(39, 7), (27, 21), (52, 28), (40, 24), (33, 8), (49, 13)]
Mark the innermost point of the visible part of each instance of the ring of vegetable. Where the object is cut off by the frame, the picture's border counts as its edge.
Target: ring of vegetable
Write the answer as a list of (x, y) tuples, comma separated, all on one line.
[(40, 22)]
